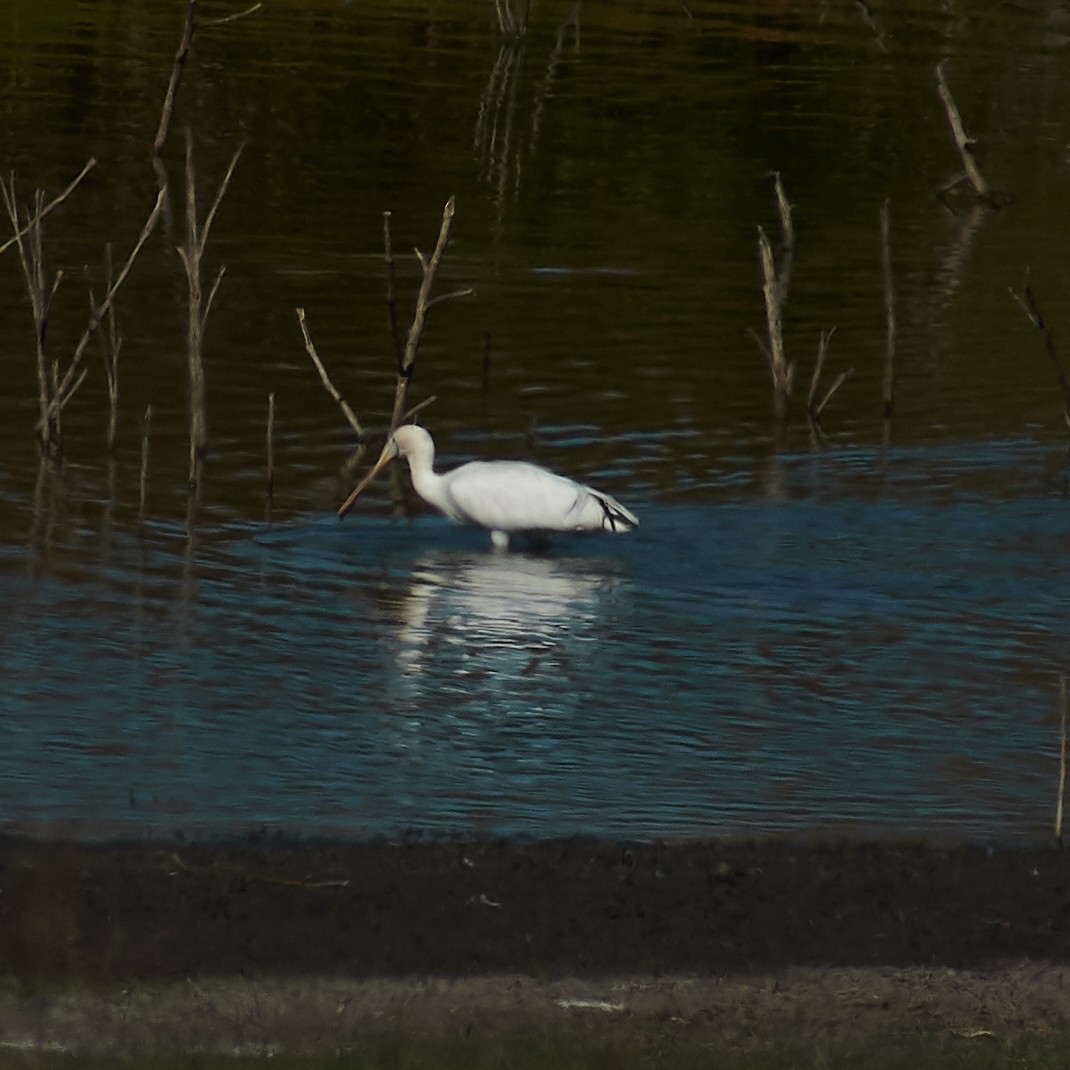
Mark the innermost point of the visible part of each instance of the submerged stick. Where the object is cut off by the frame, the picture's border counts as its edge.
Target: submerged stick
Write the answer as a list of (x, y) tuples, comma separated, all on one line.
[(888, 386)]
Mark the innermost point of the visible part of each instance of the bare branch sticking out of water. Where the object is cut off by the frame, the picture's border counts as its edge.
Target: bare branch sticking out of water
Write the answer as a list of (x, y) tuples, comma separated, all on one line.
[(146, 426), (775, 284), (787, 239), (191, 252), (310, 348), (184, 45), (225, 20), (45, 209), (111, 343), (814, 407), (189, 28), (964, 143), (29, 241), (419, 408), (1062, 761), (54, 391), (1028, 304), (424, 302), (888, 385), (270, 446), (64, 391), (773, 347)]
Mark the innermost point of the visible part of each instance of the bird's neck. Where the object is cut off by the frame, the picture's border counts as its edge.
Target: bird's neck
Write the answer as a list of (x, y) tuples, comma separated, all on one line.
[(430, 486)]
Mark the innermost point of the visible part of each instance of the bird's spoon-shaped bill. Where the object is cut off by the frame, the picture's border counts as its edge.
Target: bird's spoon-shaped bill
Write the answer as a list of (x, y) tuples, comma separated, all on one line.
[(388, 454)]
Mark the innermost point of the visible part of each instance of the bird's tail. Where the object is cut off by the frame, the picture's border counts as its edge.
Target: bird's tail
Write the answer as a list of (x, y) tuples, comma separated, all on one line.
[(616, 517)]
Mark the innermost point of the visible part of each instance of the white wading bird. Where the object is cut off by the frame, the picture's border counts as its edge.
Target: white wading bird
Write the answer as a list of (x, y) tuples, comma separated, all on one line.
[(504, 497)]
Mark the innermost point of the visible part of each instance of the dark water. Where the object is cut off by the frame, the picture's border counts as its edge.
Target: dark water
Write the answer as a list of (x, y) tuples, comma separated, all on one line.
[(861, 630)]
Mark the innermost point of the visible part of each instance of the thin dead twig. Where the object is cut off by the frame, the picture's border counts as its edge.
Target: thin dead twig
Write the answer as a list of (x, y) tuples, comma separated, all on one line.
[(185, 44), (66, 387), (419, 408), (964, 144), (1028, 304), (888, 385), (424, 303), (45, 209), (30, 244), (787, 239), (270, 444), (781, 371), (146, 427), (225, 20), (111, 343), (191, 254), (813, 406), (329, 386), (775, 284)]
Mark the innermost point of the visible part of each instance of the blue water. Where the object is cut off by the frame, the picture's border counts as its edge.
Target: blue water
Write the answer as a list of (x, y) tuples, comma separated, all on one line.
[(839, 650)]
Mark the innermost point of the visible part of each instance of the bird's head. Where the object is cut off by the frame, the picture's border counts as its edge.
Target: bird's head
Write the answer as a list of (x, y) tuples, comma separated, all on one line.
[(404, 442)]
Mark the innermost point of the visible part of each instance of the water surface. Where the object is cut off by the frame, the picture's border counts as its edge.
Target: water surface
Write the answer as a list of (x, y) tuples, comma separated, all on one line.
[(856, 628)]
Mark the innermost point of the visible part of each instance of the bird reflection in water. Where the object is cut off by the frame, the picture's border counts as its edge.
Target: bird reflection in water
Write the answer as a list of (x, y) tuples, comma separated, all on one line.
[(516, 615)]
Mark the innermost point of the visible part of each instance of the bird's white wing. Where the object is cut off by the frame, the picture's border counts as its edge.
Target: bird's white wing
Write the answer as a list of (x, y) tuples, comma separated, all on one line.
[(515, 496)]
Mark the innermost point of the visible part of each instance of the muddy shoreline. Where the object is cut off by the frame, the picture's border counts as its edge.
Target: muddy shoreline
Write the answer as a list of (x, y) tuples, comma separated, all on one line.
[(423, 935)]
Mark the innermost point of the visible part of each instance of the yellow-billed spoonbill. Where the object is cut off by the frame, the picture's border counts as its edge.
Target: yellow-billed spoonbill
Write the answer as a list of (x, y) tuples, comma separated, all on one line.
[(504, 497)]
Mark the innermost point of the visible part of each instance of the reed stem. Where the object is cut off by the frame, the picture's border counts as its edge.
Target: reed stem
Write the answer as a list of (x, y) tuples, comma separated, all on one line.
[(146, 426), (775, 285), (888, 385), (270, 449)]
